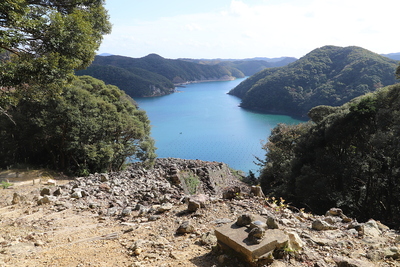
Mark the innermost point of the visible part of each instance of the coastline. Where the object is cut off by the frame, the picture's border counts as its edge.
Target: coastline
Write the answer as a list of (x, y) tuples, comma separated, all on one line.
[(223, 79)]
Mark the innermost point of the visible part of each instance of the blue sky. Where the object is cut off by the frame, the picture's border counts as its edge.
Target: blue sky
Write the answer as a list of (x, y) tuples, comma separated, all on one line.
[(248, 28)]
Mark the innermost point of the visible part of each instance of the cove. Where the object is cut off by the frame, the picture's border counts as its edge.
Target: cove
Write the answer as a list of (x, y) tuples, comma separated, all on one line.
[(201, 121)]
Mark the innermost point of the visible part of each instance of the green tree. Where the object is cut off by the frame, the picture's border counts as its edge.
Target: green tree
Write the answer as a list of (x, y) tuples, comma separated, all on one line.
[(280, 153), (90, 127), (348, 157), (43, 41)]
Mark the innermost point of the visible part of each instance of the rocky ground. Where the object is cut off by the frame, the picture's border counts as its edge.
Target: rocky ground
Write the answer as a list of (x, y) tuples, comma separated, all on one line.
[(144, 217)]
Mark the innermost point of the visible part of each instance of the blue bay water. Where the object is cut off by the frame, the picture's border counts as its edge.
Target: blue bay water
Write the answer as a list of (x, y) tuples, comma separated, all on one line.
[(203, 122)]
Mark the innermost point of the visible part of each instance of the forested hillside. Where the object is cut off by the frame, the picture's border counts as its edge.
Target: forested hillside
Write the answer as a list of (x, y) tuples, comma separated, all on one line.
[(154, 75), (326, 76), (347, 157), (247, 66), (135, 82)]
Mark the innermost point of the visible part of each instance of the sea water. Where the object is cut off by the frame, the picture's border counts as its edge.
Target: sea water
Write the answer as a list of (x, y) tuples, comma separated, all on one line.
[(201, 121)]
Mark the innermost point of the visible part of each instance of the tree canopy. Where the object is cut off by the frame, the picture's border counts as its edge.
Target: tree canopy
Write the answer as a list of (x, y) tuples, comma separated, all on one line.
[(90, 127), (347, 157), (326, 76), (43, 41), (53, 118)]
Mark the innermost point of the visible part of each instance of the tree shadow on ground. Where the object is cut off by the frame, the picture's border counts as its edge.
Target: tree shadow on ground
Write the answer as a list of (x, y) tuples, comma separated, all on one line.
[(206, 260)]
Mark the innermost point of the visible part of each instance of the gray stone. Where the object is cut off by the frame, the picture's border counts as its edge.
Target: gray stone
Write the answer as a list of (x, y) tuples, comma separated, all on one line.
[(165, 207), (258, 223), (257, 191), (334, 212), (208, 239), (329, 220), (139, 206), (153, 218), (231, 192), (202, 199), (197, 201), (61, 205), (256, 235), (143, 210), (371, 228), (295, 241), (392, 252), (193, 206), (17, 198), (57, 192), (46, 200), (39, 243), (126, 212), (185, 228), (94, 205), (245, 219), (322, 225), (222, 221), (112, 211), (45, 191), (51, 182), (272, 223), (137, 244), (77, 193), (104, 177), (266, 212), (375, 255), (234, 237)]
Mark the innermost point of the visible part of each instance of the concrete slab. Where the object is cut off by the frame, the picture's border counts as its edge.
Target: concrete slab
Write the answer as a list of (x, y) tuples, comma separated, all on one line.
[(235, 237)]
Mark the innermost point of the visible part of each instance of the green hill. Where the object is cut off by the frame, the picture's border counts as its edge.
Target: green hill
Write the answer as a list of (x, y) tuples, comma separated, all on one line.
[(326, 76), (154, 75), (247, 66), (134, 81), (348, 157)]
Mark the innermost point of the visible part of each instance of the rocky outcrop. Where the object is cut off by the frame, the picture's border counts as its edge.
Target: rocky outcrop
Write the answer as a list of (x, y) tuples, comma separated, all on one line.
[(303, 239), (151, 204), (168, 182)]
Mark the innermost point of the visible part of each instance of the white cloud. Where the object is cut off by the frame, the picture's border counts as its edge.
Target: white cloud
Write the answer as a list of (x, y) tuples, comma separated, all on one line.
[(238, 8), (193, 27), (279, 29)]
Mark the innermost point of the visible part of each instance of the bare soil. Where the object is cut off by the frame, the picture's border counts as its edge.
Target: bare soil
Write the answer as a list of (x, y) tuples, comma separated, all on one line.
[(32, 235)]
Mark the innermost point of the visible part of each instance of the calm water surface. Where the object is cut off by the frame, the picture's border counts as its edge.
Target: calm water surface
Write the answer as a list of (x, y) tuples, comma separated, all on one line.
[(202, 122)]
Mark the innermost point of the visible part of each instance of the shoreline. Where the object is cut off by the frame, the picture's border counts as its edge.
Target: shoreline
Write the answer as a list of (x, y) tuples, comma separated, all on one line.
[(230, 78)]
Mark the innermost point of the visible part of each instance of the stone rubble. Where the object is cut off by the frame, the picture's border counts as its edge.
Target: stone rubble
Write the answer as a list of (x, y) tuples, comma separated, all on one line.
[(159, 199)]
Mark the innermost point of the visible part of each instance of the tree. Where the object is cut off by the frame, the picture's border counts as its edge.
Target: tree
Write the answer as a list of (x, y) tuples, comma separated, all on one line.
[(348, 158), (90, 127), (43, 41), (280, 153)]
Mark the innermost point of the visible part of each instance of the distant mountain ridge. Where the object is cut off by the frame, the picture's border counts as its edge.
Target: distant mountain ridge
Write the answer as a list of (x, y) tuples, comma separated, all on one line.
[(395, 56), (328, 75), (247, 66), (154, 75), (105, 54)]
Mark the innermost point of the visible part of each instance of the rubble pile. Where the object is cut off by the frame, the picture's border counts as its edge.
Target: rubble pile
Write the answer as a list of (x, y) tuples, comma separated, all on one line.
[(119, 193), (151, 214)]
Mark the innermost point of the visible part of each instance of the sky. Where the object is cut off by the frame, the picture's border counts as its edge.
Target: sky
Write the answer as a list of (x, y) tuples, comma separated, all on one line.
[(237, 29)]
